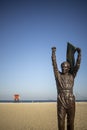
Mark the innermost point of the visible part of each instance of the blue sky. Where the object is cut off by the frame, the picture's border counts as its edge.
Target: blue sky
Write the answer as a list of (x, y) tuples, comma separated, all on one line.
[(28, 30)]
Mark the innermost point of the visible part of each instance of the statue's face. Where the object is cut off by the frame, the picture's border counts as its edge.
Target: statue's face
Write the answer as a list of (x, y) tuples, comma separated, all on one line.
[(65, 67), (65, 70)]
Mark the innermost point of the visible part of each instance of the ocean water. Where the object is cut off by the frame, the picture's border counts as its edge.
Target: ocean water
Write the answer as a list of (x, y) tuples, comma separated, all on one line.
[(31, 101)]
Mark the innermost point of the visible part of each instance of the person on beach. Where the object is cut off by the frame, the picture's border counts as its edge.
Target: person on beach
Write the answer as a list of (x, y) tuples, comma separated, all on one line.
[(65, 83)]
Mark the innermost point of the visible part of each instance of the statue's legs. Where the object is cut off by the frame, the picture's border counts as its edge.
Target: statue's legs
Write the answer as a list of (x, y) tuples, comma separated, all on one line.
[(70, 117), (61, 112)]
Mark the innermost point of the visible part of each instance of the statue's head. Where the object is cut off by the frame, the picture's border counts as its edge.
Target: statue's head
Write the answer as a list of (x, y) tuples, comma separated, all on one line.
[(65, 67)]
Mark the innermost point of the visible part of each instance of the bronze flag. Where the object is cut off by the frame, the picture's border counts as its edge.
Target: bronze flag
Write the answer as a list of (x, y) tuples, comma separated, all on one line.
[(70, 55)]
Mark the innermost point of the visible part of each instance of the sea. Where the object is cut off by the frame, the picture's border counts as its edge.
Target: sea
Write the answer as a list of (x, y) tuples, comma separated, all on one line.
[(33, 101)]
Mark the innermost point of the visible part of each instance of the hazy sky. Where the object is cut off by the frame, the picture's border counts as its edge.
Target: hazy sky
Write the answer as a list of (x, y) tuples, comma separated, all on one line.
[(28, 30)]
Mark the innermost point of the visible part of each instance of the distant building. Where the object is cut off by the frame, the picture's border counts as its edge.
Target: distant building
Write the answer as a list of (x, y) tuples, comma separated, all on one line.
[(16, 97)]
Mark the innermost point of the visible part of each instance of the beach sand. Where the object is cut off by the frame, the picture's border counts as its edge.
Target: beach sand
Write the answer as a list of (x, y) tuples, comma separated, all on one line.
[(37, 116)]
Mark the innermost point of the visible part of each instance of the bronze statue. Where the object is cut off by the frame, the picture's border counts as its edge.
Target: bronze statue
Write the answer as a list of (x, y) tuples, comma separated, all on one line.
[(64, 83)]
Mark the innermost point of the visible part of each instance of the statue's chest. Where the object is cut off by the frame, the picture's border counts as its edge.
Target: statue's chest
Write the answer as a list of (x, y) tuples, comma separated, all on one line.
[(67, 81)]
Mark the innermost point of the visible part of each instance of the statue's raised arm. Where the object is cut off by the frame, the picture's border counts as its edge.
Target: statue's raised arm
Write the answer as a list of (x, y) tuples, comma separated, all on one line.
[(78, 61), (54, 62)]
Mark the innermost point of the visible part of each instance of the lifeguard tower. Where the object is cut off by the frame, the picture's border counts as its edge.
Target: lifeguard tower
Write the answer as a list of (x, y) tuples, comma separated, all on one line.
[(16, 97)]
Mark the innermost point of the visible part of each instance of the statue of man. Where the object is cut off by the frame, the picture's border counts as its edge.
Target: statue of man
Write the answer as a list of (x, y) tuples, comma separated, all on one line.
[(64, 83)]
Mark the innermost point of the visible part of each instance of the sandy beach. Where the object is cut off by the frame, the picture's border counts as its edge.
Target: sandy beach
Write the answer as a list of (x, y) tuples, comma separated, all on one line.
[(37, 116)]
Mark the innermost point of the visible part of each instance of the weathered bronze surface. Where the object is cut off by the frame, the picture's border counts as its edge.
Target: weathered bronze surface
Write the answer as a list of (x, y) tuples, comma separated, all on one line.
[(65, 83)]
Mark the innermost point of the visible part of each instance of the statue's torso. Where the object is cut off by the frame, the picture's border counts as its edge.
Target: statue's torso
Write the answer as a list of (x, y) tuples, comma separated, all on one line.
[(65, 89), (66, 82)]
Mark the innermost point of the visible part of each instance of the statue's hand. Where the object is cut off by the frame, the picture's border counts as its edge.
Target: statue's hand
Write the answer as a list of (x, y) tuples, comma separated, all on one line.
[(78, 50), (53, 49)]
